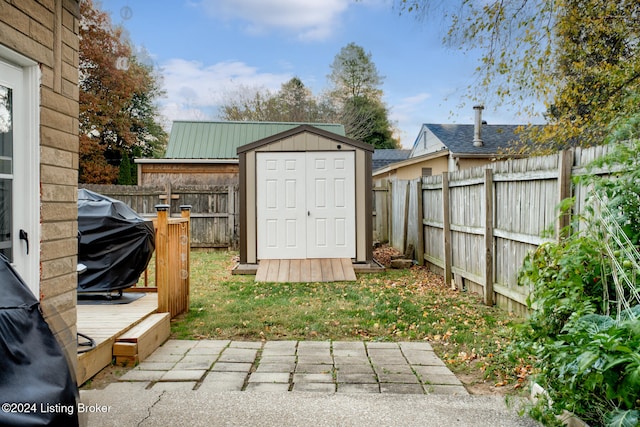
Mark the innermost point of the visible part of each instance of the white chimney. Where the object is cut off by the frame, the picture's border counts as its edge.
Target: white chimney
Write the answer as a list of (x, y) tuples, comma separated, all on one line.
[(477, 129)]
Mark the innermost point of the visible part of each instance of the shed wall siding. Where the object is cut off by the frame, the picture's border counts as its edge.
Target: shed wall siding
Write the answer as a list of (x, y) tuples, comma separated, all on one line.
[(361, 219), (188, 174), (251, 213), (303, 142), (47, 32)]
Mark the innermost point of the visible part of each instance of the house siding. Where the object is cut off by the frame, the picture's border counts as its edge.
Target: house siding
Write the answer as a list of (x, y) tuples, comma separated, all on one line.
[(426, 143), (46, 32)]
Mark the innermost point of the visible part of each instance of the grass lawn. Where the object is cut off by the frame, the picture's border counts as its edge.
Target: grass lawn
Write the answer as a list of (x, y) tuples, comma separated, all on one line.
[(397, 305)]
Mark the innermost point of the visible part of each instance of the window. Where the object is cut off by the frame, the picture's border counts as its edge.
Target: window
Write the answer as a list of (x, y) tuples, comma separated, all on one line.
[(426, 171)]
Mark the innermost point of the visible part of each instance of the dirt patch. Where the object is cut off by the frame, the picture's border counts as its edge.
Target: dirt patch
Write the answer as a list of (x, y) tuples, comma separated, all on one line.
[(108, 375), (476, 384)]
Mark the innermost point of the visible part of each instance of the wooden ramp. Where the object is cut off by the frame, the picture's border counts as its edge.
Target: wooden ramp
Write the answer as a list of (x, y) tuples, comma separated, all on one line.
[(104, 323), (305, 270)]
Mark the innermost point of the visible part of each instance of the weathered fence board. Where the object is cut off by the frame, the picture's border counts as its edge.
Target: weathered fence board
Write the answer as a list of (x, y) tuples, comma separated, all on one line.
[(214, 213), (478, 236)]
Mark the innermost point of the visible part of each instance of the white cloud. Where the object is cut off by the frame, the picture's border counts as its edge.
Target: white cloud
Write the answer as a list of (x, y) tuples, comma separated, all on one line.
[(409, 114), (194, 91), (310, 20)]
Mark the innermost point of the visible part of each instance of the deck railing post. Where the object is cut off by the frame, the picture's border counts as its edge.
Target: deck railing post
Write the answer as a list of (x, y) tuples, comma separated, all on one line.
[(185, 212), (162, 258)]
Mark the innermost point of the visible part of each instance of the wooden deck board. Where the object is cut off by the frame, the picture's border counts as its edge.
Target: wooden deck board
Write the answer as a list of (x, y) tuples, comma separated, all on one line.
[(316, 271), (305, 270), (347, 268), (338, 272), (261, 273), (283, 271), (272, 270), (104, 323), (327, 270), (294, 270)]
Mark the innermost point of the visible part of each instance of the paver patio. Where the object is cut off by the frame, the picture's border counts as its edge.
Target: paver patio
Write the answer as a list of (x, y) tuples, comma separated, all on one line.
[(296, 366)]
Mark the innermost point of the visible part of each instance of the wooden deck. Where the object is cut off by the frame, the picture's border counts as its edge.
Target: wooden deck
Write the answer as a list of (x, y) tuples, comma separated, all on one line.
[(104, 323), (305, 270)]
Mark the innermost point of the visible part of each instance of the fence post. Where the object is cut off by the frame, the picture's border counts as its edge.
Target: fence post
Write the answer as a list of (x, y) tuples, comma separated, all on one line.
[(231, 216), (390, 211), (488, 237), (185, 212), (162, 258), (420, 248), (446, 229), (565, 163), (405, 220)]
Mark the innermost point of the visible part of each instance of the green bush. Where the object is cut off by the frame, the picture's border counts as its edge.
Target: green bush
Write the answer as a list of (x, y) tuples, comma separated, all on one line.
[(587, 360)]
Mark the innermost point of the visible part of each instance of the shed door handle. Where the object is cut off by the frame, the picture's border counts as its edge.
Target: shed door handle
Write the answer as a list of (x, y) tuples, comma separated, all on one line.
[(24, 236)]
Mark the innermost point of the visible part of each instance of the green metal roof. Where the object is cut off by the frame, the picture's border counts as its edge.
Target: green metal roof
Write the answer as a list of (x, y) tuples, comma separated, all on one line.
[(220, 140)]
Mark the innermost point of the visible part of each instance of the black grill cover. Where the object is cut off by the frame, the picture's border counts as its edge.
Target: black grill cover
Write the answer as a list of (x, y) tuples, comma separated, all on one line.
[(36, 386), (115, 243)]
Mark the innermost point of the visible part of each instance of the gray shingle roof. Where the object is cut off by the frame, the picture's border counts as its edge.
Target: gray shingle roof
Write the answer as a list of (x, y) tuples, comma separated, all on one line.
[(384, 157), (459, 138), (220, 140)]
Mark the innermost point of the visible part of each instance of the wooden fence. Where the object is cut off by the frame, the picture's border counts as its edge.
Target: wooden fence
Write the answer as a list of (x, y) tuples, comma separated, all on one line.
[(475, 226), (214, 214)]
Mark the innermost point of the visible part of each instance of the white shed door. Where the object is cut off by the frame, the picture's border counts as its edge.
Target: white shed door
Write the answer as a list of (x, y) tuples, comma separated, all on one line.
[(306, 205)]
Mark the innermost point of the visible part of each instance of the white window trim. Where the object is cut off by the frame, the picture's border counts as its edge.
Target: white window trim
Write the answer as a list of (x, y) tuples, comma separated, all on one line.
[(31, 91)]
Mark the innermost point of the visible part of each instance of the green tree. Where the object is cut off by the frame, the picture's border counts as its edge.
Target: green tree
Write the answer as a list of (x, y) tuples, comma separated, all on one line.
[(364, 116), (117, 97), (367, 120), (124, 175), (580, 58), (355, 97), (294, 102), (354, 75)]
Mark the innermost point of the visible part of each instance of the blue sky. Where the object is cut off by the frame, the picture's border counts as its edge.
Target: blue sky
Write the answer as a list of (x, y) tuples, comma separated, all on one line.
[(207, 49)]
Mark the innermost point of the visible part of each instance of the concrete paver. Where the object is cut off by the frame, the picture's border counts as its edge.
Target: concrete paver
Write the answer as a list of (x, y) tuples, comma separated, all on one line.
[(276, 367), (313, 378), (231, 367), (401, 388), (183, 375), (269, 377)]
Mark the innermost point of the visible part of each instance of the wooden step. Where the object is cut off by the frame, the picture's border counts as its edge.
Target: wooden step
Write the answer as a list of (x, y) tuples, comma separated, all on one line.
[(139, 342)]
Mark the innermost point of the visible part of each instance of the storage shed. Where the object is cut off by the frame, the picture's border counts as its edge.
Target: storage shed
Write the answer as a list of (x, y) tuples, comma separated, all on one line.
[(305, 193)]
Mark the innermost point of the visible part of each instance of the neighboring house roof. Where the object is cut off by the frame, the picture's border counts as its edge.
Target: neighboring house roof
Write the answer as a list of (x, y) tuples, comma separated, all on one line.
[(384, 157), (220, 140), (458, 139)]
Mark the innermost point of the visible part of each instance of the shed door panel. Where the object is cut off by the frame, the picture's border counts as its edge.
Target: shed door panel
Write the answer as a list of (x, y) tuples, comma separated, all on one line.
[(281, 202), (305, 205), (331, 205)]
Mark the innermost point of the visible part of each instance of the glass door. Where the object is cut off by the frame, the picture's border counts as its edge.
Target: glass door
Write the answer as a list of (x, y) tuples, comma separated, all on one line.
[(19, 170), (6, 172)]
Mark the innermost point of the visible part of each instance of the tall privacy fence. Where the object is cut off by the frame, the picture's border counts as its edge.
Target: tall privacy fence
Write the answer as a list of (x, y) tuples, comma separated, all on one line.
[(475, 226), (214, 209)]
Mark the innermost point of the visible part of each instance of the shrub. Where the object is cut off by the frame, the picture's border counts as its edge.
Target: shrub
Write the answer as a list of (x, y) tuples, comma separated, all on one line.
[(586, 358)]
